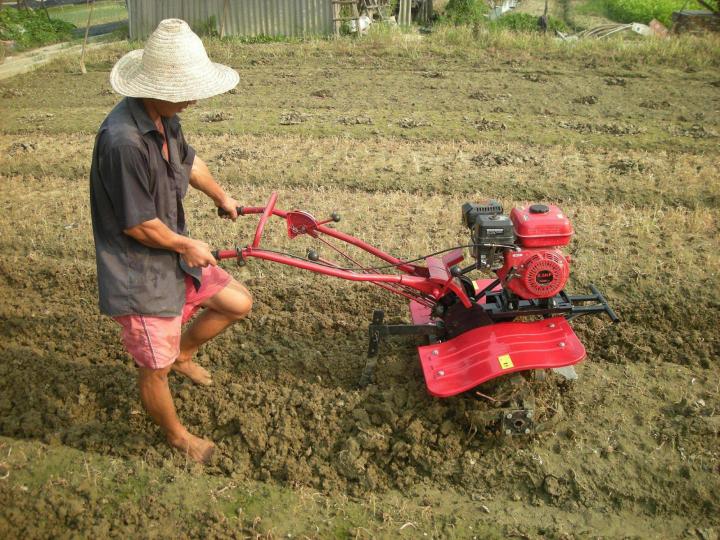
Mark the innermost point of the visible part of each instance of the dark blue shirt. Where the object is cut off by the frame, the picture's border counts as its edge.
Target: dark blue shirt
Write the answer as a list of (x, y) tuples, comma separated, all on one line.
[(130, 183)]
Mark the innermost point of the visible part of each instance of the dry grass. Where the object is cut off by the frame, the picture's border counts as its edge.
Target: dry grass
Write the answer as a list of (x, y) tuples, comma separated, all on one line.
[(645, 206)]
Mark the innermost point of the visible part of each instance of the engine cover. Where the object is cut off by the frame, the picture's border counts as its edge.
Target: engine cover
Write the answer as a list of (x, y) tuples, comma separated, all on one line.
[(535, 273)]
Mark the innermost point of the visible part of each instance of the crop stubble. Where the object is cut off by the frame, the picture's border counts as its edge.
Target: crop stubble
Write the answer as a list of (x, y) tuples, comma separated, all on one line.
[(639, 431)]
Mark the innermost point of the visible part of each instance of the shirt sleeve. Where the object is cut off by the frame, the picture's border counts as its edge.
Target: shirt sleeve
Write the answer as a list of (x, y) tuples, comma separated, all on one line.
[(125, 175)]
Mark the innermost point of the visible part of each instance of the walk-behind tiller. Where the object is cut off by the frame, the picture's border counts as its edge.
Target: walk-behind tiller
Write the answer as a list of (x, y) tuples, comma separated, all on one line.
[(472, 326)]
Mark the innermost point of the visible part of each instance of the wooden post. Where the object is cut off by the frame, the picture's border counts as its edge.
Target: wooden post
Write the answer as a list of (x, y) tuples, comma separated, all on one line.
[(226, 9), (91, 4), (404, 18), (426, 11), (337, 23)]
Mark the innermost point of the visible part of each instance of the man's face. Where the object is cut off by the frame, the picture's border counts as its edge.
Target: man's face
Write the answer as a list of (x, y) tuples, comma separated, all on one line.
[(167, 109)]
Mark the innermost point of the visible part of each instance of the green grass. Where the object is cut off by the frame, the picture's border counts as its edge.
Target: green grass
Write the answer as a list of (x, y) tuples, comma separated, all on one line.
[(28, 28), (105, 11), (642, 11)]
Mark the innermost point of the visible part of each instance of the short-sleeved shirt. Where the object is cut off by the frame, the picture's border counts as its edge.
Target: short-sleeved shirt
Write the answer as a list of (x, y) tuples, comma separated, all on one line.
[(130, 183)]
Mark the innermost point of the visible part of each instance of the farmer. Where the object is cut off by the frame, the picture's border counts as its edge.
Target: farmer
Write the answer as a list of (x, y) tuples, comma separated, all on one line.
[(152, 276)]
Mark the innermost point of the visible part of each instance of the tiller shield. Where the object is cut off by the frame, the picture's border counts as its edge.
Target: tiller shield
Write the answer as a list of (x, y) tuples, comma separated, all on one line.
[(478, 330), (486, 352)]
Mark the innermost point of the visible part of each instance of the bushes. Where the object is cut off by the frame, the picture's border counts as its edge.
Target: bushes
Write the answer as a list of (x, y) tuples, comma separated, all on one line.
[(644, 11), (465, 11), (524, 22), (28, 28)]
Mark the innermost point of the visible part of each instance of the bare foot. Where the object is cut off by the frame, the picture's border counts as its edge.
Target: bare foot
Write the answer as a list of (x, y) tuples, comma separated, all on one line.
[(194, 372), (197, 449)]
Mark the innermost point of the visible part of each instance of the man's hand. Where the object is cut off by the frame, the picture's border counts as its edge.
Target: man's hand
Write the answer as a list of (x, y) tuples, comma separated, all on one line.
[(154, 233), (230, 205), (202, 179), (197, 253)]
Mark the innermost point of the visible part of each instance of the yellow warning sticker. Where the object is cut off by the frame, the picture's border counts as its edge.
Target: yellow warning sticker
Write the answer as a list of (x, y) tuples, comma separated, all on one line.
[(505, 361)]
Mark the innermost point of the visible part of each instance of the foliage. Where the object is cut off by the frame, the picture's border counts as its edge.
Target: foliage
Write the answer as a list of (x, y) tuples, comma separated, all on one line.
[(28, 28), (465, 11), (644, 11), (524, 22), (208, 27), (104, 11)]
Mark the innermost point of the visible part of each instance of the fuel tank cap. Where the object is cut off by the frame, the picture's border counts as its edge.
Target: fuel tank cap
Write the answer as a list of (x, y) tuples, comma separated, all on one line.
[(539, 209)]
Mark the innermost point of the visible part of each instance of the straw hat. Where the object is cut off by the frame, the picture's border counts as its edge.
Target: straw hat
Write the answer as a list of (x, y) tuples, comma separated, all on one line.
[(173, 67)]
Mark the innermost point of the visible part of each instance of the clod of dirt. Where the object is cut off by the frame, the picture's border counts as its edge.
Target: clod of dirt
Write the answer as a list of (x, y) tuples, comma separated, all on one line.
[(483, 96), (322, 93), (626, 166), (716, 84), (106, 92), (21, 148), (586, 100), (409, 123), (609, 129), (433, 74), (534, 77), (38, 117), (12, 92), (233, 91), (552, 486), (696, 131), (234, 154), (491, 159), (216, 116), (483, 124), (615, 81), (355, 120), (291, 118), (655, 105), (480, 96)]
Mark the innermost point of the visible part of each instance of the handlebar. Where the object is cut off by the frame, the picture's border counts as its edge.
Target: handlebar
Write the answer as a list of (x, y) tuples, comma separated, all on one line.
[(224, 213), (266, 212)]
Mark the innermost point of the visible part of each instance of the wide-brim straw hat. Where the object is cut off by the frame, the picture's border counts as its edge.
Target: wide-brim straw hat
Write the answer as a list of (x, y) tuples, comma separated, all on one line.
[(173, 67)]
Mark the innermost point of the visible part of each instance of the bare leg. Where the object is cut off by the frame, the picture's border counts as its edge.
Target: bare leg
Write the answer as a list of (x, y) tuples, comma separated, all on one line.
[(156, 398), (229, 305)]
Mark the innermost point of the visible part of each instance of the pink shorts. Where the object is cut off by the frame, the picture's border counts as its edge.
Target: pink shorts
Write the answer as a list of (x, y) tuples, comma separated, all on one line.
[(154, 342)]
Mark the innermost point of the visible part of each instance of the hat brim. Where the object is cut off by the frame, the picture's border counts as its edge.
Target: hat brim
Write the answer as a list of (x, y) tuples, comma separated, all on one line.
[(128, 79)]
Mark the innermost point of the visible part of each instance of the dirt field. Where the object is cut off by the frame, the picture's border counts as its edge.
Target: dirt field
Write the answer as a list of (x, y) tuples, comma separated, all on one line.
[(394, 134)]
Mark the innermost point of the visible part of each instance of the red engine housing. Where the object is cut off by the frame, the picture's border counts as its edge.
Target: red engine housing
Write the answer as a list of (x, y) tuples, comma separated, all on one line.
[(539, 269), (535, 273)]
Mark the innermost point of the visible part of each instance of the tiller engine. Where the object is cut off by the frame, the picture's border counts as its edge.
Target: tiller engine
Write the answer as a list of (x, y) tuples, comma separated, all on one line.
[(478, 329)]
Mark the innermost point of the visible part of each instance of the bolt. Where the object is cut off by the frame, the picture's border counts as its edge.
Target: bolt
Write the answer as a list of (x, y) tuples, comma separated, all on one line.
[(508, 416), (508, 432), (561, 344), (440, 373), (527, 431), (435, 352), (529, 414), (551, 325)]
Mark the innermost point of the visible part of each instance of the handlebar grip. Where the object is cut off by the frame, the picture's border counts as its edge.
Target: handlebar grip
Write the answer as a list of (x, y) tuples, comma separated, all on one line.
[(222, 212)]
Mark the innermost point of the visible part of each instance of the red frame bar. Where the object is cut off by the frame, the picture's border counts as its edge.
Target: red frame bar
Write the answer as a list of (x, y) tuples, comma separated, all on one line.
[(417, 277)]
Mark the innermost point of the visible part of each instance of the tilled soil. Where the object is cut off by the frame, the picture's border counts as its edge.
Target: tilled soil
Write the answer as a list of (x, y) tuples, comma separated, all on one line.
[(632, 442)]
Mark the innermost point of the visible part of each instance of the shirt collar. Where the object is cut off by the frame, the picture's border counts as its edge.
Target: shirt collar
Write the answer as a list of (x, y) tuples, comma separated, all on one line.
[(140, 115), (143, 121)]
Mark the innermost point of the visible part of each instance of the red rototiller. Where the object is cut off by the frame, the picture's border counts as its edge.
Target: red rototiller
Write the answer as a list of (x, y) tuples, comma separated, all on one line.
[(473, 325)]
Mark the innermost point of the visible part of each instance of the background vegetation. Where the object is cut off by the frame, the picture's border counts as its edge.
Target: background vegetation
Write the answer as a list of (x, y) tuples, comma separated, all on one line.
[(28, 28), (644, 11)]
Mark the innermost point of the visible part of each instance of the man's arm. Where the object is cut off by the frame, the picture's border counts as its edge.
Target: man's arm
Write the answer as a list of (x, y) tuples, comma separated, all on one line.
[(154, 233), (202, 179)]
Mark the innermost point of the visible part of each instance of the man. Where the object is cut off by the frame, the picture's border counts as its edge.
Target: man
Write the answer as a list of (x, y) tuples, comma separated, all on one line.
[(152, 276)]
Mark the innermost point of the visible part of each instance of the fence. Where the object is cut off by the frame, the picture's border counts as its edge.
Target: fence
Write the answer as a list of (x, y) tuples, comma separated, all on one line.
[(234, 17)]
